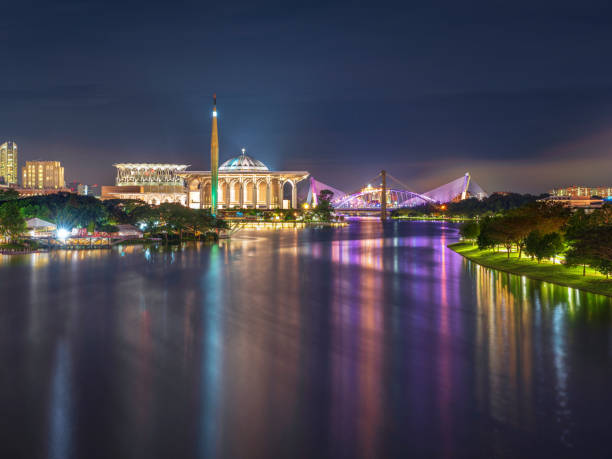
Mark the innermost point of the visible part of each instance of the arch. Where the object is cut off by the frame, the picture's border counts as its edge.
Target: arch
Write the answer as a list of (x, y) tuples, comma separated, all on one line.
[(277, 192), (223, 193), (235, 192), (288, 193), (250, 190), (194, 185), (206, 195), (262, 187)]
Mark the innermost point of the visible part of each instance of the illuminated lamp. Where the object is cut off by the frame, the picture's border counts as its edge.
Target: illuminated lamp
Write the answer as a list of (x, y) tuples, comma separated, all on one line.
[(63, 233)]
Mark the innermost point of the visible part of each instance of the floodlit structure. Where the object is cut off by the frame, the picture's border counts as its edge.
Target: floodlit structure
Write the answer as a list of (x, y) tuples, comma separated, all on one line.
[(214, 160), (240, 182), (576, 191), (149, 182), (40, 228), (370, 197), (243, 182), (457, 190), (43, 175), (315, 187), (8, 163)]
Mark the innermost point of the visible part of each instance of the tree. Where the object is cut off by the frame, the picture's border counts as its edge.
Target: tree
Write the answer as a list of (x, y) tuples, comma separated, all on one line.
[(507, 231), (8, 195), (582, 252), (199, 221), (174, 217), (590, 240), (542, 246), (470, 230), (554, 244), (604, 267), (12, 221), (324, 207), (485, 238), (532, 243)]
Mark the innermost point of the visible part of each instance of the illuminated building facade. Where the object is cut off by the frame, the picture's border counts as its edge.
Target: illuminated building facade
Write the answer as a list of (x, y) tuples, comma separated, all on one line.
[(240, 182), (43, 175), (244, 182), (575, 191), (578, 202), (8, 163), (153, 183)]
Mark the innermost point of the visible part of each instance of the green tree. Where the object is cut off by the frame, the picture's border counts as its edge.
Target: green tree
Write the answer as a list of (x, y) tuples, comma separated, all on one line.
[(582, 252), (470, 230), (199, 221), (175, 218), (12, 221), (324, 209), (590, 239), (8, 195), (604, 266), (542, 246), (486, 238), (554, 244)]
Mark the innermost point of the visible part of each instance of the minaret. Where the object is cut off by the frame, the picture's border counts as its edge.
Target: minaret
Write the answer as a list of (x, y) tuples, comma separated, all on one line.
[(214, 159)]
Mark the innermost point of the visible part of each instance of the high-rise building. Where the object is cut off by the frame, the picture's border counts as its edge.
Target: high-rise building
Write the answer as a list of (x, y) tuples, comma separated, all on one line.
[(43, 175), (8, 163)]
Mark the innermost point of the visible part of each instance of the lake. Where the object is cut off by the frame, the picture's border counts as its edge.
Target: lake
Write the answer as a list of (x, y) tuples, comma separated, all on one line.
[(366, 341)]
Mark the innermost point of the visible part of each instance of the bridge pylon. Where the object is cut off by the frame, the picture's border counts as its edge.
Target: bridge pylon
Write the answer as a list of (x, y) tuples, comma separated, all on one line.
[(383, 196)]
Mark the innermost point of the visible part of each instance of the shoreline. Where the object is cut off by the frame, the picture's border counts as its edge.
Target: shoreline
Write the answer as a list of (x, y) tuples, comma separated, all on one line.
[(445, 219), (552, 273)]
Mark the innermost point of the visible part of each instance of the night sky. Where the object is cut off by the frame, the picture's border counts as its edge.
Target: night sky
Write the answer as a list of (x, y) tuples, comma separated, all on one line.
[(519, 93)]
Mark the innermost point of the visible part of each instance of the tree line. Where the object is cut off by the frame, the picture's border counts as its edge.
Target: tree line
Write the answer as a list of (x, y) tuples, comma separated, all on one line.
[(543, 230), (495, 204), (68, 210)]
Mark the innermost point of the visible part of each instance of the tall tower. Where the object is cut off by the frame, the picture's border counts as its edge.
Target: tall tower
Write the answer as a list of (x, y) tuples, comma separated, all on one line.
[(214, 159), (8, 163)]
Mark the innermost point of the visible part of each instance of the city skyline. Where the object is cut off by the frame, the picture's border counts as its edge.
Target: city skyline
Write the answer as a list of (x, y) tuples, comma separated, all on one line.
[(516, 94)]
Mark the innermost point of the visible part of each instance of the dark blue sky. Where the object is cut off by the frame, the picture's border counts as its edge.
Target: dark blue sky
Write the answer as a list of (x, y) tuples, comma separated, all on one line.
[(518, 93)]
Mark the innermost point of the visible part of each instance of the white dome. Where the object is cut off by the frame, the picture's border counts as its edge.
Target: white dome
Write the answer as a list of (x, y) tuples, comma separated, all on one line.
[(243, 162)]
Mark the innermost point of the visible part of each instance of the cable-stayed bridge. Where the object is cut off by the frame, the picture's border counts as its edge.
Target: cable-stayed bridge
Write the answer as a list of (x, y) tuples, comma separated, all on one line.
[(398, 194)]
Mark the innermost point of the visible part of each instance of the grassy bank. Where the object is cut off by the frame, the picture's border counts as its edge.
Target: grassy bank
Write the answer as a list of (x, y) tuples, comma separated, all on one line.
[(545, 271)]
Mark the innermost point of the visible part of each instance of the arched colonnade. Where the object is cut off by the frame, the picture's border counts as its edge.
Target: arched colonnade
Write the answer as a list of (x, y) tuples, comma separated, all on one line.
[(257, 192)]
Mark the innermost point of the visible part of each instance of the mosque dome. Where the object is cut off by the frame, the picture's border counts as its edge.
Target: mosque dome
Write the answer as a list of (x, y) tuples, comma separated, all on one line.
[(242, 163)]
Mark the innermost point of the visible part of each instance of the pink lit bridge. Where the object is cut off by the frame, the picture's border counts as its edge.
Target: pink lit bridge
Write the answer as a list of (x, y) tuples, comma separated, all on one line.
[(369, 198)]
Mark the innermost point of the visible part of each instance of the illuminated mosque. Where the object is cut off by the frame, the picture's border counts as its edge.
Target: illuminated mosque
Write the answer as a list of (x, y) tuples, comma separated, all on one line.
[(240, 182), (243, 182)]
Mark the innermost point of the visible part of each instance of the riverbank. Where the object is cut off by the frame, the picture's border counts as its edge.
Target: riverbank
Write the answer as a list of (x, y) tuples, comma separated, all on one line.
[(424, 218), (555, 273)]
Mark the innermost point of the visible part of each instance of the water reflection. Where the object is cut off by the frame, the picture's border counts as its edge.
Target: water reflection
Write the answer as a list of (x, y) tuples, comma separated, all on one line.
[(366, 341), (212, 352), (61, 422)]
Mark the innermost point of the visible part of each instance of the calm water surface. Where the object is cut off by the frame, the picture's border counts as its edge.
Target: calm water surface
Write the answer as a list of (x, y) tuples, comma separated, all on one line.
[(357, 342)]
